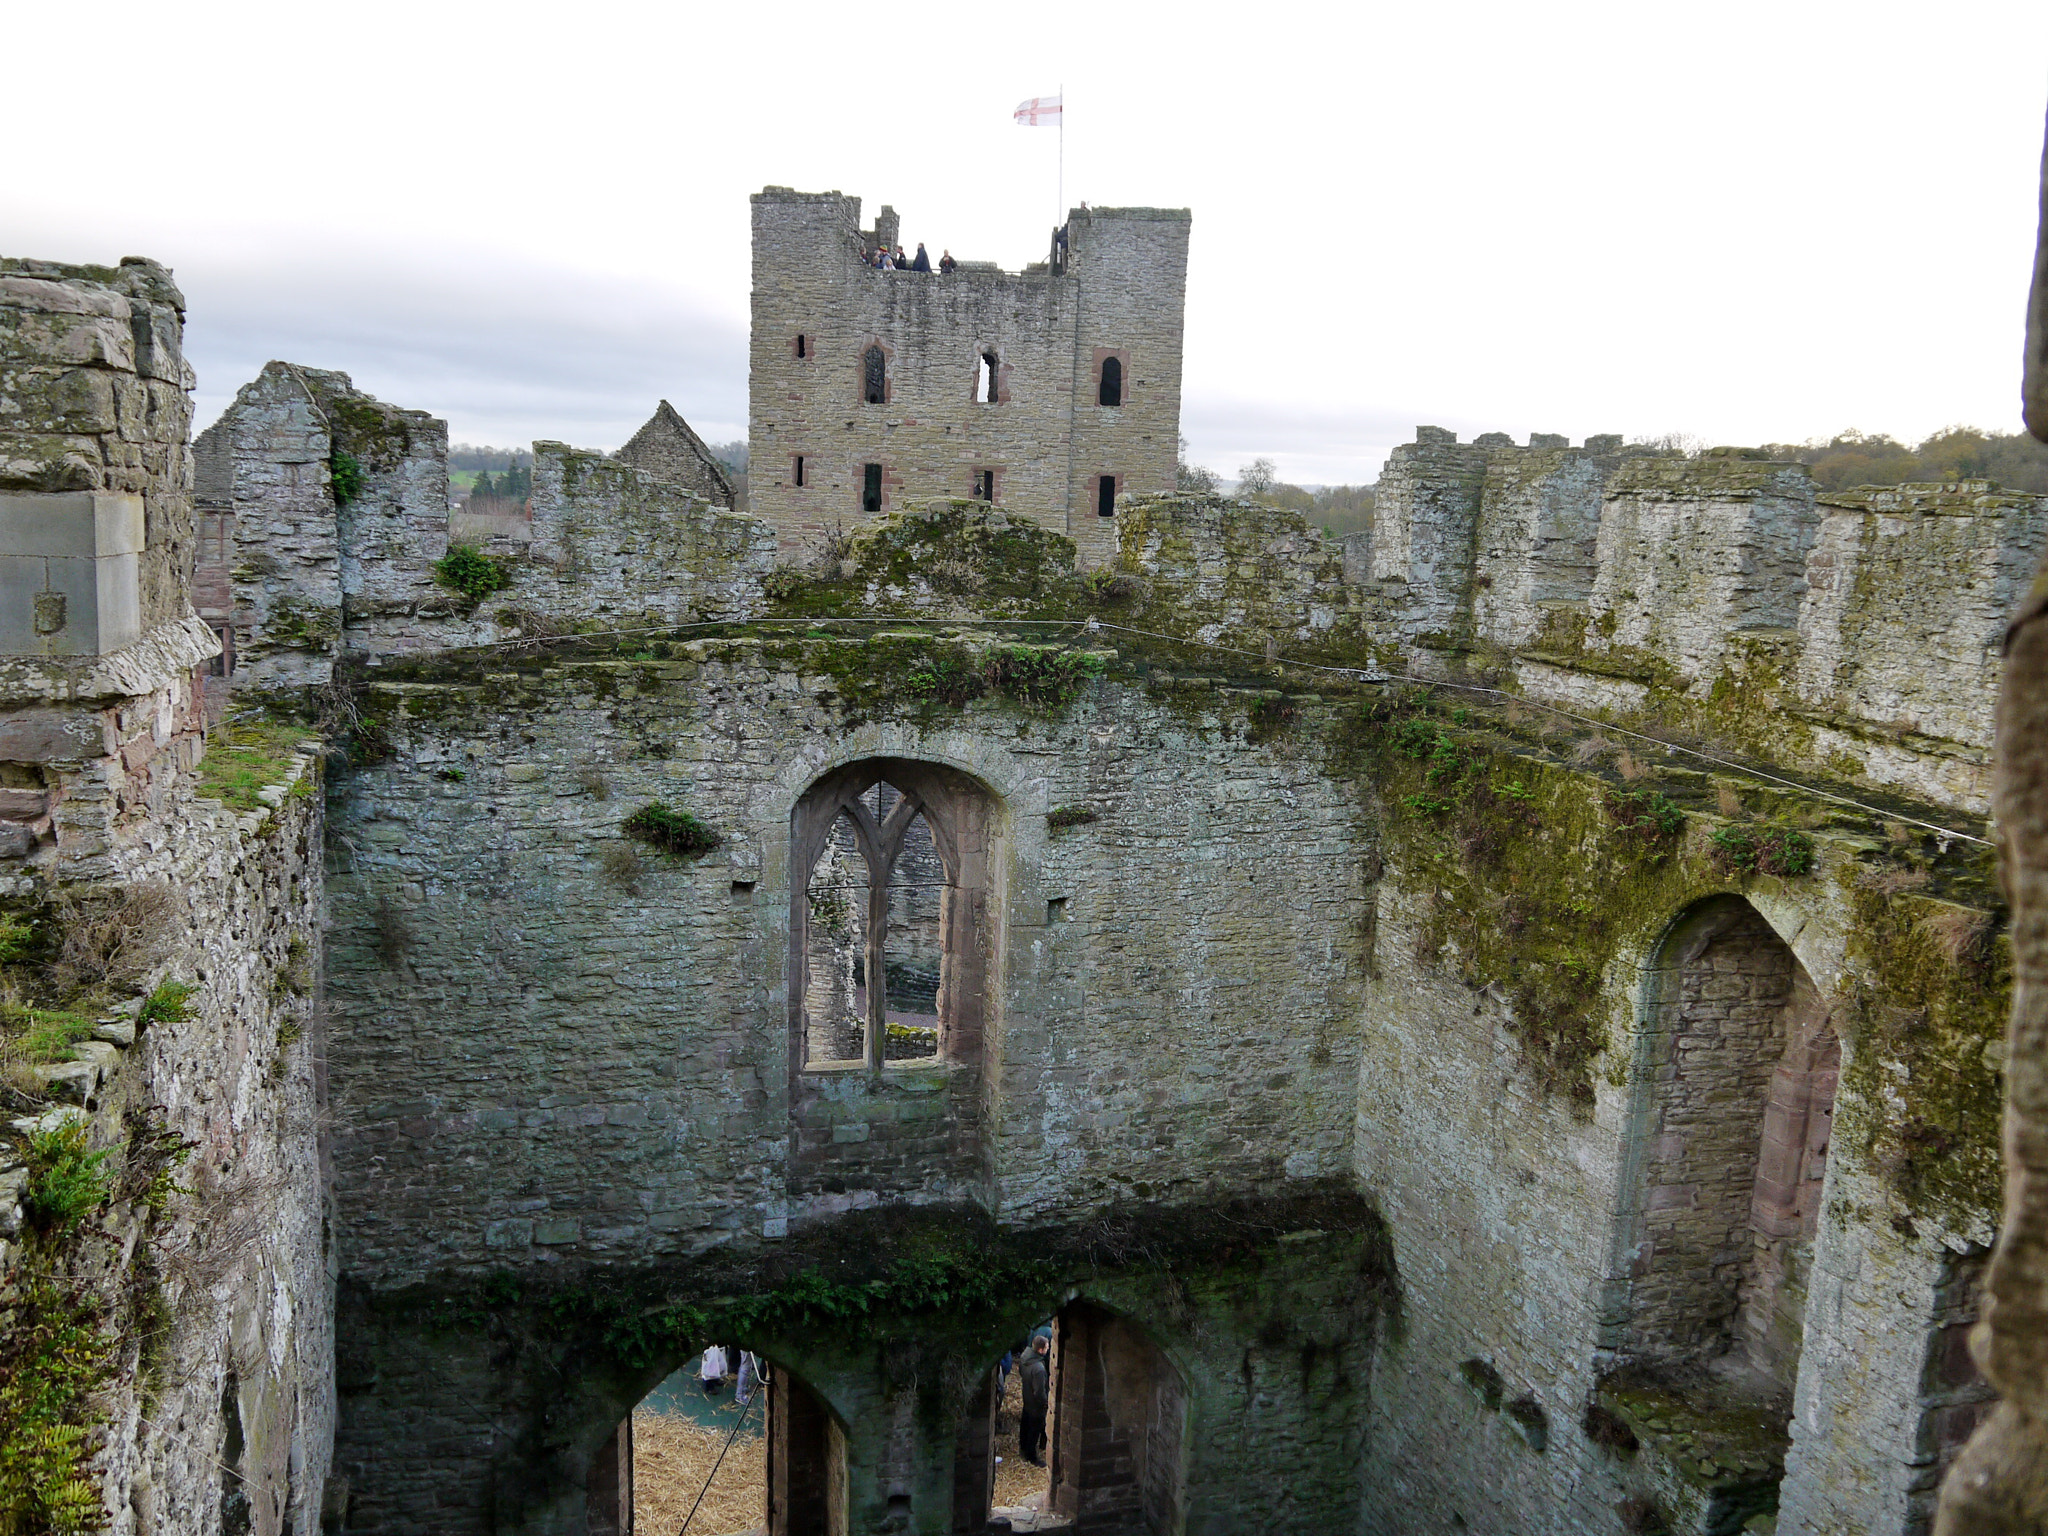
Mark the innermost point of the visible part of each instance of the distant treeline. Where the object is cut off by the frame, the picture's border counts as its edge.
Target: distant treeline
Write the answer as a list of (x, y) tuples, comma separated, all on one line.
[(2013, 459), (1336, 509), (468, 456), (514, 484)]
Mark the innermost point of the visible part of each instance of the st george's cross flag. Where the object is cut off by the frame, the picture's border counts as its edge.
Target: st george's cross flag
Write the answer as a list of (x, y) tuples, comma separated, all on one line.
[(1039, 112)]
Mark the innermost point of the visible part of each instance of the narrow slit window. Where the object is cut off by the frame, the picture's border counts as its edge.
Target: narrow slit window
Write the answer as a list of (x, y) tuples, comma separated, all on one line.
[(797, 471), (871, 488), (875, 377), (1105, 496), (1112, 390), (803, 346), (984, 485), (988, 383)]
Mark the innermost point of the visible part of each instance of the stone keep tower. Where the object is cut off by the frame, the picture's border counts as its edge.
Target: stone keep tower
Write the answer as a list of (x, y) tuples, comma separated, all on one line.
[(1052, 391)]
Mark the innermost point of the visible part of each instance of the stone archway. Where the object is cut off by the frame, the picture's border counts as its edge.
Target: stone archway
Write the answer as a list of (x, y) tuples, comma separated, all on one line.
[(1743, 1065), (805, 1492), (893, 938), (1117, 1423), (1736, 1066)]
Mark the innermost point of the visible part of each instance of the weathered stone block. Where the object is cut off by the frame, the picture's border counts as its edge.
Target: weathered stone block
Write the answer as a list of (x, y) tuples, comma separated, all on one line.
[(52, 736), (70, 574)]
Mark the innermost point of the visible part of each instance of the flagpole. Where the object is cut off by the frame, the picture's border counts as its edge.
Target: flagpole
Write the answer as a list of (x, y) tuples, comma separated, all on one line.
[(1059, 214)]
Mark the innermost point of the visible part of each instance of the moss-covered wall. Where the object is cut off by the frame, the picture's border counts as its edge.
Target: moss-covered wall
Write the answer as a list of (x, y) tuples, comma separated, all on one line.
[(1268, 1314)]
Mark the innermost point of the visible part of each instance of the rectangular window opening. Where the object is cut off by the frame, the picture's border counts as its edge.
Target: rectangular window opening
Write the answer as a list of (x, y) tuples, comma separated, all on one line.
[(797, 471), (871, 488), (984, 485), (1105, 496)]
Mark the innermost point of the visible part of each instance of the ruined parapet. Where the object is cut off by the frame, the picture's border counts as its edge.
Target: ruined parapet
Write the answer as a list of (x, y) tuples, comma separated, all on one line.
[(395, 525), (1538, 525), (271, 539), (1909, 590), (99, 701), (332, 510), (1425, 518), (1693, 552), (667, 448), (959, 558), (1233, 571), (98, 402), (610, 545)]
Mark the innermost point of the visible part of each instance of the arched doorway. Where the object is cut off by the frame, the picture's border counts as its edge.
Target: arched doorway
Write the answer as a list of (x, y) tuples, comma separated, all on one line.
[(1744, 1062), (1116, 1435), (759, 1451), (1733, 1108)]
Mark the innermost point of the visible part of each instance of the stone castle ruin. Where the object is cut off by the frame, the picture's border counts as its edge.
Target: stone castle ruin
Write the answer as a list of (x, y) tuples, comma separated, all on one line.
[(1491, 1024), (1051, 391)]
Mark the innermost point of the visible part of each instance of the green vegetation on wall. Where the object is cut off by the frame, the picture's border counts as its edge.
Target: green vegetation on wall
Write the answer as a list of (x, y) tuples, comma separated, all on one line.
[(345, 475), (1535, 875), (248, 755), (672, 831), (469, 572), (1927, 1026)]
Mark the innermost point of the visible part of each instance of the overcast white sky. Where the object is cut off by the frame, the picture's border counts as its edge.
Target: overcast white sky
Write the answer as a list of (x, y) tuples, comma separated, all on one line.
[(1741, 220)]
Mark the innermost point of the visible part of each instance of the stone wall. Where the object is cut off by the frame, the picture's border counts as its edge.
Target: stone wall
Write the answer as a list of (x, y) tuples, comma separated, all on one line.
[(219, 1415), (482, 849), (818, 309), (303, 576), (178, 934), (97, 398), (668, 449), (1853, 636), (1261, 1355)]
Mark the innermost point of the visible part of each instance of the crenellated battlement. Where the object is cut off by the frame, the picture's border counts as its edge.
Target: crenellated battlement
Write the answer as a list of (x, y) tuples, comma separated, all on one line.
[(1708, 592)]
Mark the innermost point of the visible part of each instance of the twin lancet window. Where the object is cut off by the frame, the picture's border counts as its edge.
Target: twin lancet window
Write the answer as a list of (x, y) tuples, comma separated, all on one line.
[(886, 926)]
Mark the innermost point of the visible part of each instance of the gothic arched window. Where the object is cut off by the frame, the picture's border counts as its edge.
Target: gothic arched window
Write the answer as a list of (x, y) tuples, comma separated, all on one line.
[(890, 866)]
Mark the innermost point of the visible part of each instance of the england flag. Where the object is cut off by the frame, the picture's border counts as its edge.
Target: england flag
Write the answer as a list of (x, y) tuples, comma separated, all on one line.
[(1039, 112)]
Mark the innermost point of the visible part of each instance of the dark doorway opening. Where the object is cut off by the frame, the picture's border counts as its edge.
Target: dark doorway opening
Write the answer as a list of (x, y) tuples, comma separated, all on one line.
[(1105, 496), (1116, 1427), (749, 1447)]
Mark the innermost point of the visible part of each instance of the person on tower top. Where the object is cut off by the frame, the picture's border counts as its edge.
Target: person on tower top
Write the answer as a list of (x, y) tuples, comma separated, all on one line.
[(946, 261), (921, 262)]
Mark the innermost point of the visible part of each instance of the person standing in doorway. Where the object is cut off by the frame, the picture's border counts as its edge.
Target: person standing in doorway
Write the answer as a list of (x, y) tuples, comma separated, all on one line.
[(1032, 1375)]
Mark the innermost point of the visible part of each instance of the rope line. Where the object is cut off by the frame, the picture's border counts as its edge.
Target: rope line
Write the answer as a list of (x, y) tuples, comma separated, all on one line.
[(745, 1408), (1359, 674)]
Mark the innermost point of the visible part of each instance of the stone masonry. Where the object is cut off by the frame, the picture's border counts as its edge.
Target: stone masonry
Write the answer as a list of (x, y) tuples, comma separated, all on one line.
[(1114, 291), (213, 1407), (1421, 1105)]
